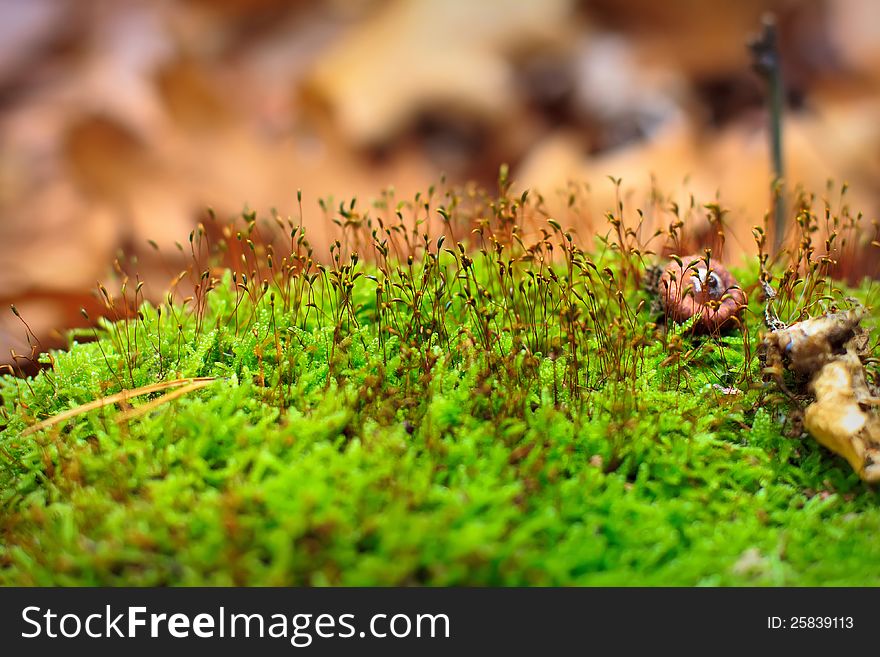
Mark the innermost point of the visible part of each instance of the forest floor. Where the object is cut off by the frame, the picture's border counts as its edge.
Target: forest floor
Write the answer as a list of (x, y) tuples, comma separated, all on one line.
[(453, 400)]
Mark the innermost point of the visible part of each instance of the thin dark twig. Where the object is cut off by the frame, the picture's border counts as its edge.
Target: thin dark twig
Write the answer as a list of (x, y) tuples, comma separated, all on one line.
[(767, 62)]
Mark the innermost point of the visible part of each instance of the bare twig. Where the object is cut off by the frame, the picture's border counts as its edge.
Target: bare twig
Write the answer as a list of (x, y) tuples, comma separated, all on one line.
[(767, 62)]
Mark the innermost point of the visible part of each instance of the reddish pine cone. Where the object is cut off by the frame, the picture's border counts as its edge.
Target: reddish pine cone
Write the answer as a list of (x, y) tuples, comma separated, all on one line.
[(691, 288)]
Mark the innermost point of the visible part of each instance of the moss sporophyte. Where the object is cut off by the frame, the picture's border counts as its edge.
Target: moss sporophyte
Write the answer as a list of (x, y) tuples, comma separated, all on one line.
[(461, 391)]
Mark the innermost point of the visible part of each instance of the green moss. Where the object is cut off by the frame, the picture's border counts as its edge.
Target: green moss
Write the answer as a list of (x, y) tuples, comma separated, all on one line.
[(488, 414)]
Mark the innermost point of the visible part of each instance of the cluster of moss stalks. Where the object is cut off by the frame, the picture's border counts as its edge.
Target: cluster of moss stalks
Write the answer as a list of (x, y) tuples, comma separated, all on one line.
[(458, 395)]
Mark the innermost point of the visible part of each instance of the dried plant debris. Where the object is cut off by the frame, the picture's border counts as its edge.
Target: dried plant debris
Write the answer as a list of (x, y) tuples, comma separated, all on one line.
[(829, 350), (698, 286)]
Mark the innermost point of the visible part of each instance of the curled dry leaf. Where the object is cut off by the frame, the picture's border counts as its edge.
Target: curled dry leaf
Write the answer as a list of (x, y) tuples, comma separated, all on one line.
[(692, 286)]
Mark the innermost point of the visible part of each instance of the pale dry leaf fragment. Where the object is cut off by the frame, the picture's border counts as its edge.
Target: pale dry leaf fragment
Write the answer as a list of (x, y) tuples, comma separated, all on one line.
[(844, 416), (750, 562), (839, 420)]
